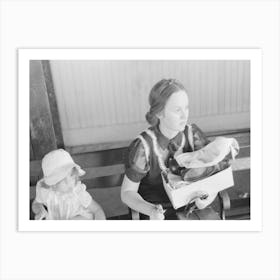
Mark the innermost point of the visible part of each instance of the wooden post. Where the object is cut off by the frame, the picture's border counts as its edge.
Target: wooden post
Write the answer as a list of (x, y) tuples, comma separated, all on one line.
[(52, 103), (42, 131)]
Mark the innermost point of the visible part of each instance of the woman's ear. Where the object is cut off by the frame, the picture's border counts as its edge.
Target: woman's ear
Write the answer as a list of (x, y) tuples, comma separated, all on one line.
[(159, 115)]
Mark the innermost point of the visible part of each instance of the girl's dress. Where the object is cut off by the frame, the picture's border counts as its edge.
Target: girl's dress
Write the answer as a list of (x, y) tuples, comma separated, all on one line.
[(63, 206), (147, 171)]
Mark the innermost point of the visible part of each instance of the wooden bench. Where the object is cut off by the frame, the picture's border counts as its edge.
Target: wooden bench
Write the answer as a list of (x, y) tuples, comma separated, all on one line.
[(104, 174), (105, 171)]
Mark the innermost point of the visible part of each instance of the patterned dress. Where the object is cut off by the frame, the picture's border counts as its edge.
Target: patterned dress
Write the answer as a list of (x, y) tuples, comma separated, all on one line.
[(63, 206), (147, 171)]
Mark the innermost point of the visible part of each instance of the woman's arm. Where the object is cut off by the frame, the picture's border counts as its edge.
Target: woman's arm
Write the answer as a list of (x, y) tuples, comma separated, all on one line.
[(131, 197), (97, 210)]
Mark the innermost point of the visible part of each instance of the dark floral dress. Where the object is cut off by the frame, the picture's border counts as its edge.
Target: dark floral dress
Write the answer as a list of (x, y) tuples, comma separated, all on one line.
[(147, 171)]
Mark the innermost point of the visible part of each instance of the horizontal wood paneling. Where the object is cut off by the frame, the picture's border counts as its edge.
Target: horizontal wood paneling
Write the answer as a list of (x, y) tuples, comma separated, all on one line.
[(103, 171), (106, 101)]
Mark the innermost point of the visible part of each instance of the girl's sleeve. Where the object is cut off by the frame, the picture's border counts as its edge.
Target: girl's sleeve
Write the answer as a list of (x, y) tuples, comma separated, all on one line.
[(199, 138), (41, 193), (40, 200), (84, 197), (136, 163)]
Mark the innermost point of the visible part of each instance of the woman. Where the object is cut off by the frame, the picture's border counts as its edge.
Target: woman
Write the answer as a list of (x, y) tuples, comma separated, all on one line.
[(142, 187)]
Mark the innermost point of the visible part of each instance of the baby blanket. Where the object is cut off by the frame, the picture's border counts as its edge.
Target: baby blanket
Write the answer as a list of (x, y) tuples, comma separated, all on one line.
[(210, 155)]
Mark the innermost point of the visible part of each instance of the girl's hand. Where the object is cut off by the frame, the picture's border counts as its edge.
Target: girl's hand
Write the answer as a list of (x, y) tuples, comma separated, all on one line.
[(39, 210), (37, 207), (157, 213)]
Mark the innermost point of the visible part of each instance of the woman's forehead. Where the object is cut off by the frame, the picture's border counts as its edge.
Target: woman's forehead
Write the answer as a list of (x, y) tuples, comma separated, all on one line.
[(178, 98)]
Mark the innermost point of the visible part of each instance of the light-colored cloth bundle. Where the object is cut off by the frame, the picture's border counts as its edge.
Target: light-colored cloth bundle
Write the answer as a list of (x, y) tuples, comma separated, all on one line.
[(210, 155), (208, 160)]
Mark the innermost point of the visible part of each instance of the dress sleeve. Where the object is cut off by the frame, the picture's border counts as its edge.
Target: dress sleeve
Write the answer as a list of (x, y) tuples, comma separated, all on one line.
[(83, 196), (42, 193), (199, 138), (136, 163)]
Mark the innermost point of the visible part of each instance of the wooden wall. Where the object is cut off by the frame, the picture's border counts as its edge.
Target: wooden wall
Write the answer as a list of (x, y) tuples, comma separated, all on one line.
[(106, 101)]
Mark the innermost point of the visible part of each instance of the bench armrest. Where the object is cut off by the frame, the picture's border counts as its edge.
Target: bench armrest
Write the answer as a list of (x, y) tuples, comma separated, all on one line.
[(224, 203)]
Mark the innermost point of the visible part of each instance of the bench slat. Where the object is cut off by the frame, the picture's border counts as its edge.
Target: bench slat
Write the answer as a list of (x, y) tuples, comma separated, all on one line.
[(103, 171)]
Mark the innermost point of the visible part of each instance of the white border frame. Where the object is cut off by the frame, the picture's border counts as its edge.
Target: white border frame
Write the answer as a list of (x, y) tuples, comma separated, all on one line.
[(254, 55)]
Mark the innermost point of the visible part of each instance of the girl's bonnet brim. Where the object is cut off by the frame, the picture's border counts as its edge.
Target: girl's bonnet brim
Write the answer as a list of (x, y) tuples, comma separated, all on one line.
[(61, 173)]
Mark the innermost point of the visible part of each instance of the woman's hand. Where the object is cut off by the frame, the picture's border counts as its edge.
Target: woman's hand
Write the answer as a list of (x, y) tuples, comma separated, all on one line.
[(203, 202), (80, 217), (157, 212)]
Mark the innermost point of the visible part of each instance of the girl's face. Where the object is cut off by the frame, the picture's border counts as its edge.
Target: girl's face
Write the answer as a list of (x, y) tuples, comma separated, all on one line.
[(68, 183), (175, 114)]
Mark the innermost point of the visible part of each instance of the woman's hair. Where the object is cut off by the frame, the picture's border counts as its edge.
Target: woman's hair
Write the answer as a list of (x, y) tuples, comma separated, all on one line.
[(158, 97)]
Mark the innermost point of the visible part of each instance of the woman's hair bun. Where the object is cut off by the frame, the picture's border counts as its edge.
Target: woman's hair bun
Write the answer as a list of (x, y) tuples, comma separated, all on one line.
[(151, 118)]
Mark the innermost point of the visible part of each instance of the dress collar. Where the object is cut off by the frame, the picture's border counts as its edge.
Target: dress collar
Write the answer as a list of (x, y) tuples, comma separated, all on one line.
[(163, 141)]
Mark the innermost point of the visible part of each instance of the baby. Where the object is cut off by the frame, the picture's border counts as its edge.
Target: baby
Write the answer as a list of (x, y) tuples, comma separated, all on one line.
[(204, 162), (60, 195)]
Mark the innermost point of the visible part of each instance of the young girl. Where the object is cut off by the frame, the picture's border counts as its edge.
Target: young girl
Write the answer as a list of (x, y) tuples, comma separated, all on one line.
[(60, 195), (142, 188)]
